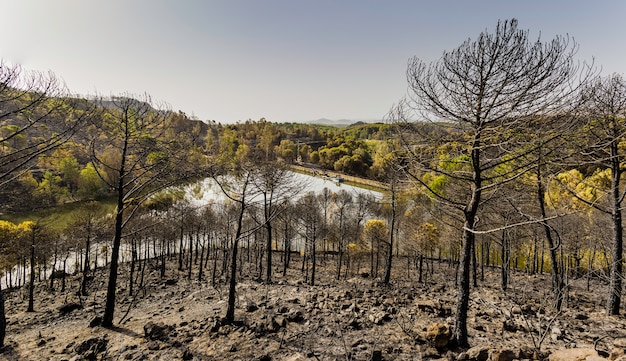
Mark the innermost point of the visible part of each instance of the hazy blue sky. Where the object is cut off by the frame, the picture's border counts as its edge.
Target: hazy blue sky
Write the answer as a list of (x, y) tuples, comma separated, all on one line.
[(285, 60)]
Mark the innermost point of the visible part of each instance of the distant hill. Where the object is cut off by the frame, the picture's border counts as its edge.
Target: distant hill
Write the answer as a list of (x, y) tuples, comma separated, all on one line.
[(341, 122)]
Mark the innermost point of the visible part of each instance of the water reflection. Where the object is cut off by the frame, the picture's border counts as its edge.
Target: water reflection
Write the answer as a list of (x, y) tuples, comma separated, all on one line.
[(206, 191)]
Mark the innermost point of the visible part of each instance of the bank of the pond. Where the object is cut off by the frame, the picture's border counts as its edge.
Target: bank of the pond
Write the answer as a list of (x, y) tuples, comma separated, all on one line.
[(350, 180)]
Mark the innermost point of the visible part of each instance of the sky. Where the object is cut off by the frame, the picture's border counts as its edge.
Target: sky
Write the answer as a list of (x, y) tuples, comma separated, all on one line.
[(282, 60)]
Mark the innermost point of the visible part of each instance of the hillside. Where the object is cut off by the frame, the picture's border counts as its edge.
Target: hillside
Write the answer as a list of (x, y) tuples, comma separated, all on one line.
[(174, 318)]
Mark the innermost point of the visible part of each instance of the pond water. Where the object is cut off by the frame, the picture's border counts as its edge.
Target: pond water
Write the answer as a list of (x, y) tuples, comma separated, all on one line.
[(207, 191)]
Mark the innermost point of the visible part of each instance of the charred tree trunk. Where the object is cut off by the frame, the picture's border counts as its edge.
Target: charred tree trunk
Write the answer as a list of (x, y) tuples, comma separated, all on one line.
[(474, 265), (313, 257), (31, 283), (83, 283), (504, 266), (268, 229), (391, 235), (557, 274), (133, 262), (232, 285), (462, 305), (615, 287), (3, 320), (107, 319), (181, 244)]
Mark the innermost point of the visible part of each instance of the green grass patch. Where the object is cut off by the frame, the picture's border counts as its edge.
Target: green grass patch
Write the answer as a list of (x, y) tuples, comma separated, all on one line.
[(56, 217)]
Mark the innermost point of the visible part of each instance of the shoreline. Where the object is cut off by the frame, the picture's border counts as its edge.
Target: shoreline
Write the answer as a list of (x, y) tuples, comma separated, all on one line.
[(348, 179)]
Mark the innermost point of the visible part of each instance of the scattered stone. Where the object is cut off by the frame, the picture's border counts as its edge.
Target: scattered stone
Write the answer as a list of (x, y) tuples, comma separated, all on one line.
[(509, 325), (158, 331), (377, 355), (251, 307), (355, 324), (96, 321), (581, 316), (295, 316), (67, 308), (478, 353), (91, 348), (556, 334), (574, 354), (279, 322), (187, 355), (438, 335), (504, 355), (378, 317), (529, 309), (357, 343), (620, 343)]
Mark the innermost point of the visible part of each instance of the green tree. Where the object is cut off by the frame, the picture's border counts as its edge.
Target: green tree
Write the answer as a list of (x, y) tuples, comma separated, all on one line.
[(90, 184), (69, 171), (375, 233), (49, 191), (36, 117)]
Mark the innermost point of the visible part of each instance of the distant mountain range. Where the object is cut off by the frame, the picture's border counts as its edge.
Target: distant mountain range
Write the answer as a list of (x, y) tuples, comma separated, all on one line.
[(340, 122)]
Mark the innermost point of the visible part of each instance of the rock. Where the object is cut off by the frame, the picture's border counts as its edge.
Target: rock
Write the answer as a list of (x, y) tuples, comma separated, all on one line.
[(187, 355), (575, 354), (516, 310), (378, 317), (595, 358), (478, 353), (503, 355), (529, 309), (480, 328), (509, 325), (356, 343), (67, 308), (276, 323), (377, 355), (428, 306), (556, 334), (89, 349), (616, 353), (214, 325), (527, 352), (438, 335), (620, 343), (355, 324), (295, 316), (581, 316), (158, 331), (96, 321), (280, 321), (251, 307)]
